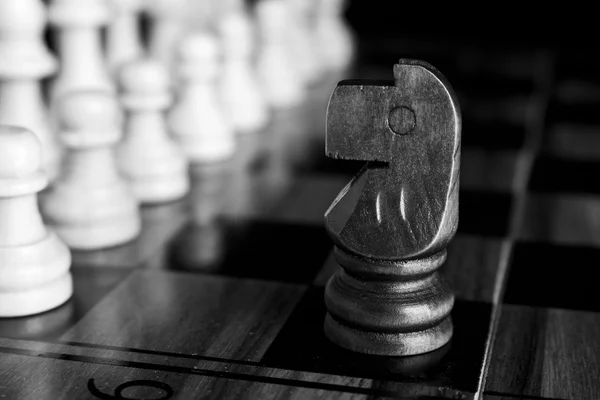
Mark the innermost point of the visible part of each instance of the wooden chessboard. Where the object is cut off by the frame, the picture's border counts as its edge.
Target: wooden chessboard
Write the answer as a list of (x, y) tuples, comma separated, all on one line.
[(221, 296)]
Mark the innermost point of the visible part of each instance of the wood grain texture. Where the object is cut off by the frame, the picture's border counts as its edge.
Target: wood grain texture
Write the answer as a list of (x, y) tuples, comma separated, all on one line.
[(546, 352), (192, 314), (37, 370)]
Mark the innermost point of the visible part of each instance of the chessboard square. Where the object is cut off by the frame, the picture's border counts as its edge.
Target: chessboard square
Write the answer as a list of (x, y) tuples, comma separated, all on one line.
[(552, 175), (200, 315), (90, 285), (484, 213), (573, 141), (159, 224), (575, 91), (550, 275), (581, 113), (562, 219), (258, 249), (302, 345), (492, 135), (546, 353), (487, 170)]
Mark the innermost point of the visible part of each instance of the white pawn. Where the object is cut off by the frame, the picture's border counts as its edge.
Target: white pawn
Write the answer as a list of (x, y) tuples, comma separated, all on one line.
[(34, 262), (334, 39), (83, 66), (91, 205), (169, 22), (282, 83), (123, 37), (197, 120), (241, 92), (302, 32), (24, 61), (154, 164)]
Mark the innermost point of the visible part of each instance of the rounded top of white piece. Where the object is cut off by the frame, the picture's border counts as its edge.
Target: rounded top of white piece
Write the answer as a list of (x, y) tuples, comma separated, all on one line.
[(198, 46), (271, 12), (236, 25), (89, 118), (144, 76), (20, 152), (19, 16), (127, 5)]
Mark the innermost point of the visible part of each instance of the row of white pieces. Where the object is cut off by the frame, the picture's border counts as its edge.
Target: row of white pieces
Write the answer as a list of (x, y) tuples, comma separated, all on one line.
[(82, 68)]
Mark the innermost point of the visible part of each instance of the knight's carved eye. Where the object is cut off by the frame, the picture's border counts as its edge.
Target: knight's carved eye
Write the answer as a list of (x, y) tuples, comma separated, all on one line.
[(401, 120)]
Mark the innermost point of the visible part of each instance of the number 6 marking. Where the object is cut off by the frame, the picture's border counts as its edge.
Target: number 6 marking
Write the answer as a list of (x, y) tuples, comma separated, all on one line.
[(119, 390)]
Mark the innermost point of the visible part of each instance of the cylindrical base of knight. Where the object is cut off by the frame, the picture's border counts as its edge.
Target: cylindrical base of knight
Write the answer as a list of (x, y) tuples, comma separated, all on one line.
[(393, 308)]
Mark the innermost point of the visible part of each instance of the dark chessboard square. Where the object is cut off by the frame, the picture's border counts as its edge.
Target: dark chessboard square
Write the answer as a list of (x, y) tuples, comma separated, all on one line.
[(302, 345), (552, 174), (561, 219), (549, 275), (495, 135), (259, 249), (484, 213), (580, 113)]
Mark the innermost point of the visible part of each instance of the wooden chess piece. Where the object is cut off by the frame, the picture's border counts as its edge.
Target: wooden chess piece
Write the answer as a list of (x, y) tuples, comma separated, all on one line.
[(34, 262), (391, 224)]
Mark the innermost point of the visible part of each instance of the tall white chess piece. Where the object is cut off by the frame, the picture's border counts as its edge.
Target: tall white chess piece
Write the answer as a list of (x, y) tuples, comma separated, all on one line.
[(24, 62)]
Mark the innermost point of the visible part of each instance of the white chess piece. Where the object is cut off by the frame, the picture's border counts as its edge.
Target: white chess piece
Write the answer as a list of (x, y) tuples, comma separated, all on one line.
[(197, 120), (301, 32), (91, 205), (334, 38), (241, 93), (153, 163), (78, 24), (169, 23), (24, 61), (282, 84), (123, 36), (34, 262)]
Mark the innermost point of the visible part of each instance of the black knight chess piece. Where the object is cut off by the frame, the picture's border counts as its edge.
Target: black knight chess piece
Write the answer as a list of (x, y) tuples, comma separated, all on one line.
[(391, 224)]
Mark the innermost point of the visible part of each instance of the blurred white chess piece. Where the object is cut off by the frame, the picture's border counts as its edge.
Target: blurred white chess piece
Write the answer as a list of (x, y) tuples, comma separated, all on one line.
[(197, 120), (82, 64), (153, 163), (241, 93), (334, 39), (123, 36), (24, 61), (91, 205), (283, 85)]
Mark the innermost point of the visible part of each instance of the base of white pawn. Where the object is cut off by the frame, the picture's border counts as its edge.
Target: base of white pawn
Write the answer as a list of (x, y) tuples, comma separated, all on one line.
[(34, 278), (207, 151), (160, 189), (100, 234)]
